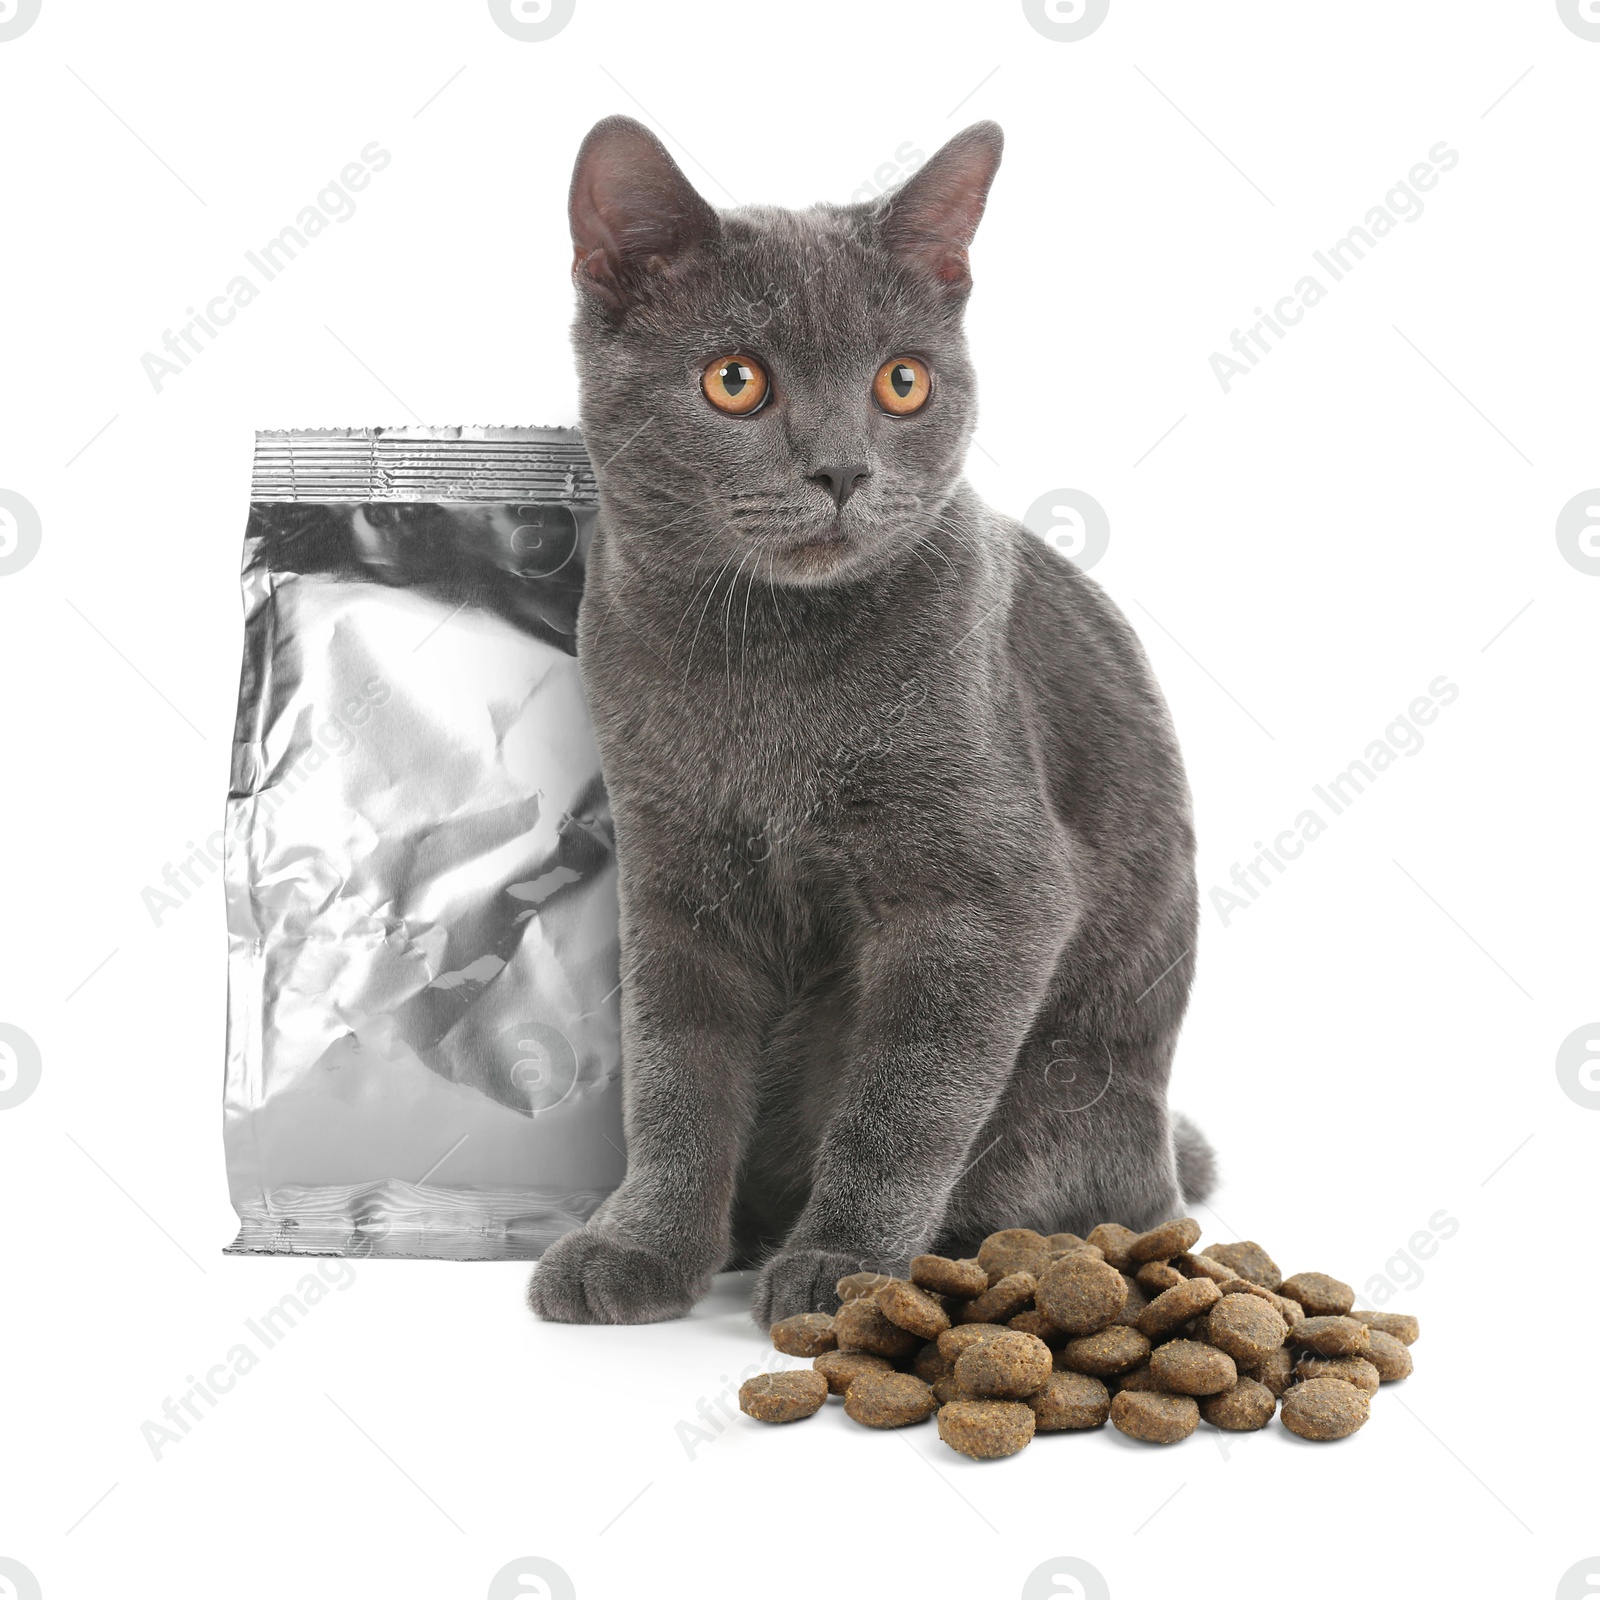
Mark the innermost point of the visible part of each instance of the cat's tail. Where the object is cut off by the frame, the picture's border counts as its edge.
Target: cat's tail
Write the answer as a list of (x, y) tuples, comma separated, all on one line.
[(1197, 1161)]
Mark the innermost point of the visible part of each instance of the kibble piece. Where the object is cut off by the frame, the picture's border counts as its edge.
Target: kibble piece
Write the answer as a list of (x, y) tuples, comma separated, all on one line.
[(783, 1396), (1388, 1355), (1013, 1250), (1070, 1400), (1128, 1316), (1249, 1260), (1039, 1325), (809, 1334), (929, 1364), (1058, 1244), (954, 1343), (1104, 1354), (1157, 1276), (841, 1368), (1187, 1367), (1002, 1300), (911, 1308), (1112, 1240), (1010, 1366), (1276, 1372), (964, 1279), (1291, 1311), (889, 1400), (1140, 1381), (1324, 1408), (1080, 1294), (1394, 1323), (1247, 1328), (947, 1388), (986, 1429), (1347, 1369), (1321, 1295), (858, 1284), (860, 1325), (1175, 1306), (1193, 1266), (1248, 1405), (1154, 1418), (1333, 1336), (1163, 1243)]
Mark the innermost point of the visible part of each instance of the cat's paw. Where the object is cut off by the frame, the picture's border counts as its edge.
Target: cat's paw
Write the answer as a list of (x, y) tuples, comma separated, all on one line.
[(589, 1276), (799, 1280)]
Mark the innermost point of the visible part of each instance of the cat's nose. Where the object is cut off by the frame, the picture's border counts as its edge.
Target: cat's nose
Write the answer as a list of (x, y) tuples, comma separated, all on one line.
[(841, 482)]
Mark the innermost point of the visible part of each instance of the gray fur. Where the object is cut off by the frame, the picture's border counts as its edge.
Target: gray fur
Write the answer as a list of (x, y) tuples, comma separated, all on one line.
[(907, 886)]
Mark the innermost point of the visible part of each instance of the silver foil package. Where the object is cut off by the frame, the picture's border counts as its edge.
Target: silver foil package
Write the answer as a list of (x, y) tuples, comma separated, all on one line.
[(423, 991)]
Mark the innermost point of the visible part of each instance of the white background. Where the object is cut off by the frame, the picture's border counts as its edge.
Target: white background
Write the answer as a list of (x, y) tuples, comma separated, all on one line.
[(1372, 1043)]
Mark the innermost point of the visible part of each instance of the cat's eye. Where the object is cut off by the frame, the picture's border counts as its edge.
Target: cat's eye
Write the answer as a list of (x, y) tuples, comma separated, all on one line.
[(735, 384), (902, 386)]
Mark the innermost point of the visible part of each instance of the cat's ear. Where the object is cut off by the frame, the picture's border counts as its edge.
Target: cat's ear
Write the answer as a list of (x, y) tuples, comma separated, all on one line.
[(633, 212), (929, 221)]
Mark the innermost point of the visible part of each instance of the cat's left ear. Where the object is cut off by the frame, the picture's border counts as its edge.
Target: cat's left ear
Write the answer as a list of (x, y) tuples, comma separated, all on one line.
[(929, 221)]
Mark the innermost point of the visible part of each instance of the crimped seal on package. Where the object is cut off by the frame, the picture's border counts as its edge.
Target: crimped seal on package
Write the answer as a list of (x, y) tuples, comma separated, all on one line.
[(423, 986)]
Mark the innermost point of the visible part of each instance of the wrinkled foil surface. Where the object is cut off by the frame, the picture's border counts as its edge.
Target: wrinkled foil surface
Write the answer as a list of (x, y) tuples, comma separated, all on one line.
[(423, 987)]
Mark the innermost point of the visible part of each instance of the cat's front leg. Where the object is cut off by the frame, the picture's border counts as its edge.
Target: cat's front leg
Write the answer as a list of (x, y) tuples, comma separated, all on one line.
[(693, 1011), (948, 995)]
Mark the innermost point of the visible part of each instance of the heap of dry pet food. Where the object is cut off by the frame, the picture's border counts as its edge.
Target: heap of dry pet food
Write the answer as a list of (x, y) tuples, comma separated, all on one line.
[(1045, 1333)]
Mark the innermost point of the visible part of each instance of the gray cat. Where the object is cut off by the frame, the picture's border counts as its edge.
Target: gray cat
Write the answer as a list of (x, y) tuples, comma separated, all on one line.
[(907, 883)]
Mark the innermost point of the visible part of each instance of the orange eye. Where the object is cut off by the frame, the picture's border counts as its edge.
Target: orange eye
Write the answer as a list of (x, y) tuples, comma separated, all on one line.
[(735, 384), (902, 386)]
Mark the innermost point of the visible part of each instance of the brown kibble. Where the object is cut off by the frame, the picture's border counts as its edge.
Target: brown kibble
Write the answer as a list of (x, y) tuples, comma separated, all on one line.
[(1175, 1306), (1154, 1418), (1276, 1372), (841, 1368), (1039, 1325), (911, 1308), (1247, 1328), (1104, 1354), (1003, 1300), (1163, 1243), (1058, 1244), (964, 1279), (809, 1334), (1140, 1381), (1248, 1405), (1193, 1266), (946, 1389), (986, 1429), (783, 1396), (1394, 1323), (889, 1400), (1069, 1401), (1080, 1294), (1158, 1276), (1388, 1354), (1320, 1295), (1187, 1367), (1291, 1311), (858, 1284), (1010, 1366), (954, 1343), (1013, 1250), (1347, 1369), (860, 1325), (1324, 1408), (1249, 1260), (1112, 1240), (1333, 1336), (1128, 1316), (930, 1365)]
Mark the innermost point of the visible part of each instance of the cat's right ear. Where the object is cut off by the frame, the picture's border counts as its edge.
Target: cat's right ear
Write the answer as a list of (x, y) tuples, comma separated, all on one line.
[(634, 215)]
